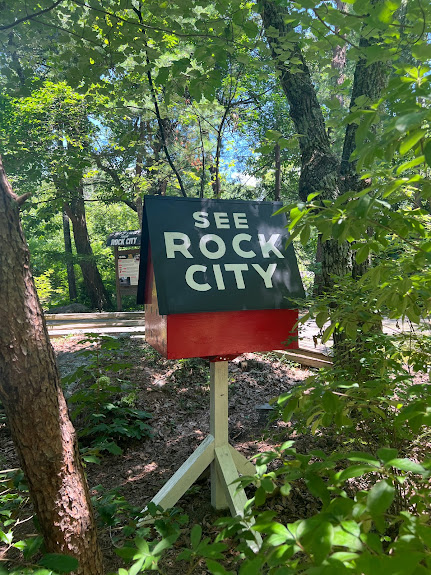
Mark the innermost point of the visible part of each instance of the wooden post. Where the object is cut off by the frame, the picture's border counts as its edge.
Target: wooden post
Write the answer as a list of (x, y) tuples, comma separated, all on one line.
[(219, 426), (117, 281)]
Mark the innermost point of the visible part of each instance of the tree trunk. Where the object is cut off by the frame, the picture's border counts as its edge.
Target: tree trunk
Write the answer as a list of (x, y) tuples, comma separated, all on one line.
[(71, 278), (319, 166), (277, 187), (339, 53), (321, 170), (75, 209), (33, 400)]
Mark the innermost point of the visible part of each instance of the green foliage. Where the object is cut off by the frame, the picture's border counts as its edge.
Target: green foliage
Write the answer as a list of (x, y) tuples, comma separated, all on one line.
[(45, 289), (14, 502), (102, 406)]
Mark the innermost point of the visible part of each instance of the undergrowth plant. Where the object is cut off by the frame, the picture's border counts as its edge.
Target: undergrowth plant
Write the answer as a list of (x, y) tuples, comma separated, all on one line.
[(15, 511), (102, 404)]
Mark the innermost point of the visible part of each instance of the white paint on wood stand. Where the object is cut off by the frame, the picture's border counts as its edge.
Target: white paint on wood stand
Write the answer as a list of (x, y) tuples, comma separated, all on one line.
[(226, 463)]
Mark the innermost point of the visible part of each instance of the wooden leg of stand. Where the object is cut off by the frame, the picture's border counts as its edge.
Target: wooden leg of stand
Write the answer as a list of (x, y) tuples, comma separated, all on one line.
[(235, 496), (186, 474), (244, 466), (219, 426)]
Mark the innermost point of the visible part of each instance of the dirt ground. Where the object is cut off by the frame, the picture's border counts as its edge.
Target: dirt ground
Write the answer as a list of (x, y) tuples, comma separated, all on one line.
[(176, 393)]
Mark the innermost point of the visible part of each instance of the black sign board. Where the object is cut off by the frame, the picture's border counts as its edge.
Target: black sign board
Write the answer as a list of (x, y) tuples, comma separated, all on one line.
[(124, 239), (218, 255)]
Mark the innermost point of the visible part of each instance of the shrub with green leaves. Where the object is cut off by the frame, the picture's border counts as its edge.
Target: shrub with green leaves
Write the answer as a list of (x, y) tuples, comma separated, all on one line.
[(102, 406), (14, 504)]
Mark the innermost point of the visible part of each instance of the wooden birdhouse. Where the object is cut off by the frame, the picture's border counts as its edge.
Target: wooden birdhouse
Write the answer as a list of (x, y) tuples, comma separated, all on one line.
[(217, 278)]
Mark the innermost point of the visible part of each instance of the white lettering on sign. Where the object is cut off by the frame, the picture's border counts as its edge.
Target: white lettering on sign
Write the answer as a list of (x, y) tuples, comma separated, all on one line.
[(213, 247), (119, 242), (221, 247), (237, 248), (240, 219), (172, 247), (268, 246), (218, 277), (237, 269), (267, 274), (190, 279), (221, 220), (201, 219)]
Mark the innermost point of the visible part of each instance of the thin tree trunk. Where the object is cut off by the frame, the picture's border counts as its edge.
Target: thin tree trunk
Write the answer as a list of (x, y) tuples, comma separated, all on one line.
[(319, 166), (277, 187), (138, 171), (93, 282), (338, 63), (71, 278), (33, 400)]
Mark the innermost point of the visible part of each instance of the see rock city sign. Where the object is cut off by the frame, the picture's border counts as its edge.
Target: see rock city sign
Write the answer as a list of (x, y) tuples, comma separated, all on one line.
[(218, 279)]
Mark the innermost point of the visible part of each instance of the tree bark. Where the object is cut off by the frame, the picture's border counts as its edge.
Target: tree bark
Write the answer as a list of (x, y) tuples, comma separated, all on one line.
[(321, 170), (319, 166), (71, 278), (75, 209), (33, 400)]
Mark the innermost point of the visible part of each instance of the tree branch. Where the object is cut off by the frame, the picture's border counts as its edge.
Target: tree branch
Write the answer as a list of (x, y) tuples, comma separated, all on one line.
[(31, 16), (6, 185), (156, 108)]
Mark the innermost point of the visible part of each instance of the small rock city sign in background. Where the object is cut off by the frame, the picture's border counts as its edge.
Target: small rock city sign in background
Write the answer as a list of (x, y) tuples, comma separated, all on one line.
[(126, 247), (218, 255)]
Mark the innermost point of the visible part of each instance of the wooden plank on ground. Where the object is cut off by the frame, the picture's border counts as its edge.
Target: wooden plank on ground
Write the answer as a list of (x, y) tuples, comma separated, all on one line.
[(86, 325), (137, 315), (305, 357)]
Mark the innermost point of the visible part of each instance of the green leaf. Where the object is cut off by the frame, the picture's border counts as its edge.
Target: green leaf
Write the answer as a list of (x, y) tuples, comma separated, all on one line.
[(405, 464), (409, 121), (195, 536), (32, 546), (216, 568), (360, 456), (353, 471), (127, 553), (427, 152), (60, 563), (380, 497), (386, 453), (321, 318), (347, 534), (318, 488), (165, 543), (305, 234), (273, 135), (319, 541), (408, 143), (362, 253), (411, 164)]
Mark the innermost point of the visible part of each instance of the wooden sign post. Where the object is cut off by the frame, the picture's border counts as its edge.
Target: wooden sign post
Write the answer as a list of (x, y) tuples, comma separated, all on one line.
[(226, 463), (217, 279), (126, 255)]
